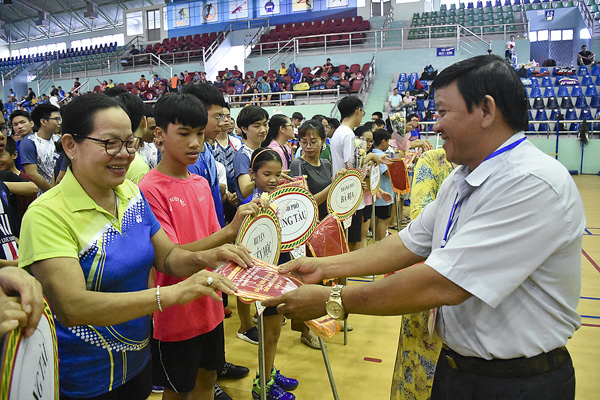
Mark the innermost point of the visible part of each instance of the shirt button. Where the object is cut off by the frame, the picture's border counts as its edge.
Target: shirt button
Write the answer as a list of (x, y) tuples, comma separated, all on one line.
[(114, 220)]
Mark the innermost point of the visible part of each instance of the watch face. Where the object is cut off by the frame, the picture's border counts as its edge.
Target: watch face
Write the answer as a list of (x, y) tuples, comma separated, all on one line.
[(335, 310)]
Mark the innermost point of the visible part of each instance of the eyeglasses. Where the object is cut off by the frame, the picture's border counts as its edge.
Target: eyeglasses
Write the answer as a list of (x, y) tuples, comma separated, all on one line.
[(222, 117), (312, 143), (113, 146), (363, 111), (3, 128), (57, 119)]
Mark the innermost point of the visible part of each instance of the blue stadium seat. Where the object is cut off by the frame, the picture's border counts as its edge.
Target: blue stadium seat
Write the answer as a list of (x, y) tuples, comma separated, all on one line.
[(401, 87), (546, 81), (431, 105), (535, 81), (549, 92), (552, 103), (597, 82), (591, 90), (554, 114), (581, 102), (562, 91), (586, 80), (541, 115), (576, 91), (571, 114), (596, 70), (574, 127), (542, 127), (585, 113), (595, 101), (538, 103), (582, 71), (402, 77), (535, 92), (420, 105), (566, 102)]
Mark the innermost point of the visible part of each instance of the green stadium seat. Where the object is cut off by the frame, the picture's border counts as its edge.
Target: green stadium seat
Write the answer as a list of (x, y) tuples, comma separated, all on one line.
[(443, 7), (528, 7), (412, 34), (570, 3), (517, 8), (547, 5), (590, 2), (422, 33), (557, 4), (597, 16), (594, 8)]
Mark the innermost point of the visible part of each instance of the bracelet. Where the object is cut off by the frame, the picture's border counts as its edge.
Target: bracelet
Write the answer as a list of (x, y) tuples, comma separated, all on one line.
[(158, 298)]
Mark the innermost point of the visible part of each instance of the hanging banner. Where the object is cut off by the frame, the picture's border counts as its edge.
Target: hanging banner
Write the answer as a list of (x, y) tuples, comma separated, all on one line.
[(297, 212), (345, 194), (375, 178), (181, 16), (261, 234), (210, 12), (238, 9), (269, 7), (302, 5), (30, 365)]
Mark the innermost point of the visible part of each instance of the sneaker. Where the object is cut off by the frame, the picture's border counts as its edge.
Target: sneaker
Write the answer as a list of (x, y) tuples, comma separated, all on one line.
[(286, 384), (232, 371), (250, 336), (407, 202), (350, 328), (313, 342), (158, 389), (220, 393), (274, 392)]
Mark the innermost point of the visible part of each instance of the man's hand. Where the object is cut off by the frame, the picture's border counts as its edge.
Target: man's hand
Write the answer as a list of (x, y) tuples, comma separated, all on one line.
[(305, 303), (15, 281), (309, 269), (228, 252), (11, 314)]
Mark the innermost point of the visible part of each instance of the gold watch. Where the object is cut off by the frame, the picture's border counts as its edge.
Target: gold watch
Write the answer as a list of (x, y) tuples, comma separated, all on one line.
[(334, 306)]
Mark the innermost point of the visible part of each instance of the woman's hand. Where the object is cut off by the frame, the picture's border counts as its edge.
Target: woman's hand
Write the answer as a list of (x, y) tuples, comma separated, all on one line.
[(340, 173), (252, 208), (202, 283), (11, 313), (18, 282)]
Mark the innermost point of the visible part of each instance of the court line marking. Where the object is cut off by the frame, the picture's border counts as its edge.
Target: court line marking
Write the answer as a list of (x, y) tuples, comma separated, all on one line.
[(586, 255), (590, 316), (592, 325), (589, 298)]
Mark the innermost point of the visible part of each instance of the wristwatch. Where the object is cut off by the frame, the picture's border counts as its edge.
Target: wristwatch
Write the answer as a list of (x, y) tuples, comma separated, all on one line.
[(334, 306)]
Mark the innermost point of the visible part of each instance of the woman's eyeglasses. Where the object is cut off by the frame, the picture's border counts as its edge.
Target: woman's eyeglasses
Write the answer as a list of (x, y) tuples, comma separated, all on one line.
[(113, 146)]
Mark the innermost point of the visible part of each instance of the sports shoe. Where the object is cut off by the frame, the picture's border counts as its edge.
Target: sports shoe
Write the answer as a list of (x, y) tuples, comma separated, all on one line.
[(220, 393), (286, 384), (250, 336), (158, 389), (232, 371), (274, 392), (350, 327)]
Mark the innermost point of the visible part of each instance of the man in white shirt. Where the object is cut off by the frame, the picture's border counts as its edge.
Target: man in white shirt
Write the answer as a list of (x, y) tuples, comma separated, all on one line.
[(395, 101), (501, 246)]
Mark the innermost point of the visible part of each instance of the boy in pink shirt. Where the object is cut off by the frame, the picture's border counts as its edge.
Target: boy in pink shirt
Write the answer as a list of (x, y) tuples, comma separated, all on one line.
[(188, 343)]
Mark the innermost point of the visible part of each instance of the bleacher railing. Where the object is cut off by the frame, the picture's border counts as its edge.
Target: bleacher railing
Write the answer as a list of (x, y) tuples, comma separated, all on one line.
[(367, 82), (401, 38), (299, 97)]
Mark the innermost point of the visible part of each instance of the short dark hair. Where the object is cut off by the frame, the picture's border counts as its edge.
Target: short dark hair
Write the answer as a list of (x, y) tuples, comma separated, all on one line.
[(251, 114), (379, 122), (182, 108), (11, 145), (149, 110), (276, 122), (78, 115), (348, 105), (297, 115), (369, 124), (318, 117), (379, 114), (411, 116), (208, 94), (19, 113), (334, 123), (42, 111), (360, 130), (263, 155), (489, 75), (133, 106), (312, 125), (379, 136)]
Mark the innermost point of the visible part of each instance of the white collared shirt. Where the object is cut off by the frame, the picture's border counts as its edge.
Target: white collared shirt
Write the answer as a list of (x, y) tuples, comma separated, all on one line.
[(516, 246)]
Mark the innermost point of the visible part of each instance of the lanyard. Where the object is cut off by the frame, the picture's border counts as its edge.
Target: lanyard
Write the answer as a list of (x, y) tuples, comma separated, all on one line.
[(456, 202)]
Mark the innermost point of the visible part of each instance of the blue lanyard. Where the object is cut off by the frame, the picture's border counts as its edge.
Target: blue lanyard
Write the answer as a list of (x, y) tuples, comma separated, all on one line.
[(457, 201)]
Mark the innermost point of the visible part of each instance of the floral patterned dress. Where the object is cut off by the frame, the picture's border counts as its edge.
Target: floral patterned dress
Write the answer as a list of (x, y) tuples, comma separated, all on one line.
[(417, 351)]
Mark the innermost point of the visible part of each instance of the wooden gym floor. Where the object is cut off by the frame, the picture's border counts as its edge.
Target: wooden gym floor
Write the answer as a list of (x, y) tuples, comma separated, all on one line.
[(363, 368)]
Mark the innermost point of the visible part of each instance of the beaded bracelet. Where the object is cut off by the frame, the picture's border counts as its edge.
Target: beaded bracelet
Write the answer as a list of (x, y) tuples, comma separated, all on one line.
[(158, 297)]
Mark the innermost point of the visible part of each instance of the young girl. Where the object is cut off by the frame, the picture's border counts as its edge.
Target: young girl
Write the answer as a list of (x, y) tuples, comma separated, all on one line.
[(280, 132), (265, 171)]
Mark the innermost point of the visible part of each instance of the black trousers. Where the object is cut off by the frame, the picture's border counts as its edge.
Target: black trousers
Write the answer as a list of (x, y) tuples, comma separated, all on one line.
[(451, 384)]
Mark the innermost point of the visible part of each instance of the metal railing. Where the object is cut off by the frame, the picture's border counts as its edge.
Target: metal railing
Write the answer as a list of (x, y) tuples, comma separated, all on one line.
[(400, 38), (299, 97), (368, 79)]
